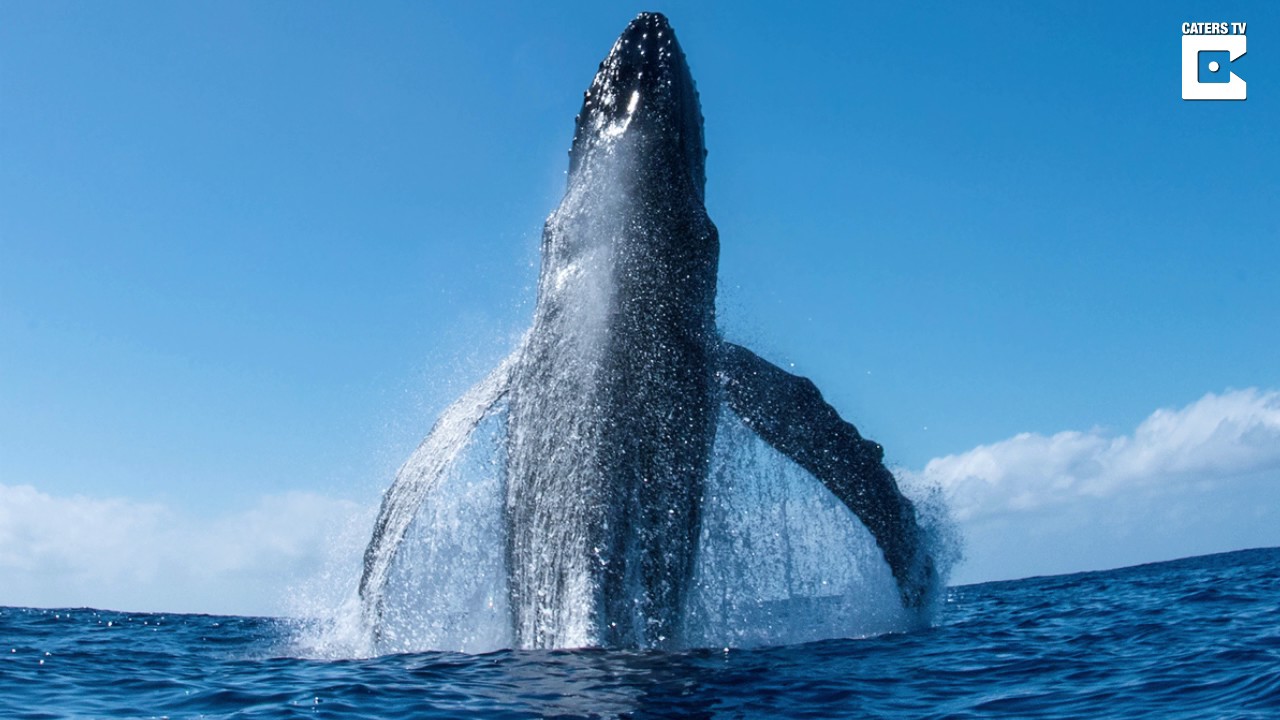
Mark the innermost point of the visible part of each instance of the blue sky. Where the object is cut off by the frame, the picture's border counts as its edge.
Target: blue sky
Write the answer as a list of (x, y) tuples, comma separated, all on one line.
[(248, 251)]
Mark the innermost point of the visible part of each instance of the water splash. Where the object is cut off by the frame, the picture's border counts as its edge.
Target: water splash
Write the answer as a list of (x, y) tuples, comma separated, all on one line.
[(781, 560), (447, 585)]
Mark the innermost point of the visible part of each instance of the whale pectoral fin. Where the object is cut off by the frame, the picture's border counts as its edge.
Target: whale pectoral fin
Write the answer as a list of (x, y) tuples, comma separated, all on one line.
[(788, 412), (420, 474)]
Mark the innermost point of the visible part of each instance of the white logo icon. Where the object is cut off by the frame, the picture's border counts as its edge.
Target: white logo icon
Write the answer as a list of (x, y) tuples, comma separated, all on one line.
[(1206, 74)]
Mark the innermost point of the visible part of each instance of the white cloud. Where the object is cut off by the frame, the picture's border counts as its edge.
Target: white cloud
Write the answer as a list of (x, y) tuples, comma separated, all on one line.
[(128, 555), (1204, 478)]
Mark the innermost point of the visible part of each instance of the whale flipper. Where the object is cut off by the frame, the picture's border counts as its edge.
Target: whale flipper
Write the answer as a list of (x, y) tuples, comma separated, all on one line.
[(788, 412), (420, 474)]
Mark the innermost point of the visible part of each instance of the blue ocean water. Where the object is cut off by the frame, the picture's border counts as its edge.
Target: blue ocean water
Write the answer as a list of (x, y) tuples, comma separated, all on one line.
[(1193, 638)]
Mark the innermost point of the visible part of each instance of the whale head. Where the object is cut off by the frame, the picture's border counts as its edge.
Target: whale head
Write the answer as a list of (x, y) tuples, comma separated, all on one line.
[(631, 237), (643, 103)]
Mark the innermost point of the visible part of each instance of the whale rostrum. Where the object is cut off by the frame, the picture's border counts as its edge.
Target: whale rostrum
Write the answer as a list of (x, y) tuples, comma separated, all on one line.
[(612, 398)]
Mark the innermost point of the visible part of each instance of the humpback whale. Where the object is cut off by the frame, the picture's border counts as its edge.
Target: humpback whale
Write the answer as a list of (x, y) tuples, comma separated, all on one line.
[(612, 397)]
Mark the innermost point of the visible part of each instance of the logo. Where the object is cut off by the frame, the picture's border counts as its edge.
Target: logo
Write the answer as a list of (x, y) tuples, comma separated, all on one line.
[(1208, 50)]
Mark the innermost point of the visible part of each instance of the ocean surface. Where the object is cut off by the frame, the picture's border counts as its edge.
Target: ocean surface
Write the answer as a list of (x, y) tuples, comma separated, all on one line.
[(1192, 638)]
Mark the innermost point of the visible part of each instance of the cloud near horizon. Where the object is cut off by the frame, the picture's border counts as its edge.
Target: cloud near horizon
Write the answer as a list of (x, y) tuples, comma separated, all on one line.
[(1200, 479), (122, 554)]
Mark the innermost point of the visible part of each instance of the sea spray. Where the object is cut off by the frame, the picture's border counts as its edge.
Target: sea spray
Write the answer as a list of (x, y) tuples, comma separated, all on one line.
[(781, 560), (447, 588)]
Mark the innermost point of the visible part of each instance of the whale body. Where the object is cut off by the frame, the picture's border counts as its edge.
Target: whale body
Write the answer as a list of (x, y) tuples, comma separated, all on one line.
[(613, 396)]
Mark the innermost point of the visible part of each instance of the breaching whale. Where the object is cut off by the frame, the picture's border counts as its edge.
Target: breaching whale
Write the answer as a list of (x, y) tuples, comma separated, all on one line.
[(613, 395)]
